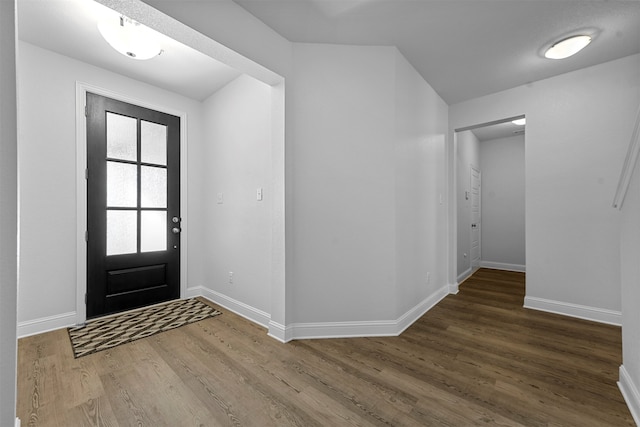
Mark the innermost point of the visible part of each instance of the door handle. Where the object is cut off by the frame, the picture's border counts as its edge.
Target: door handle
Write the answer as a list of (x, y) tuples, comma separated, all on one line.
[(176, 230)]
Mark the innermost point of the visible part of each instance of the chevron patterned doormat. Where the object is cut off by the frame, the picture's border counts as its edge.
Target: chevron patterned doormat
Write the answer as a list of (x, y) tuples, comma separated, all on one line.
[(105, 333)]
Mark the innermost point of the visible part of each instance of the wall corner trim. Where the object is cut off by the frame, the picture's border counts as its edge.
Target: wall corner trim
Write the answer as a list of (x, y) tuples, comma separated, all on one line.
[(454, 288), (594, 314), (631, 394), (280, 332)]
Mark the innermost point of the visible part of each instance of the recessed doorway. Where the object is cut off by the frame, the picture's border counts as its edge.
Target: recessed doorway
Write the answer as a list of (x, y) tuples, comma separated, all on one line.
[(490, 214)]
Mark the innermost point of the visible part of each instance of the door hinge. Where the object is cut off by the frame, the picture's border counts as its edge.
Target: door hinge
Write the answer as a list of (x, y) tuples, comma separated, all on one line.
[(86, 173), (86, 236), (85, 299), (86, 111)]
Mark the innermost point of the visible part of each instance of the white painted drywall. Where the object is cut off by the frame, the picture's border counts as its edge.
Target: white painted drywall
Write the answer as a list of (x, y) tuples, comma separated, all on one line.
[(236, 162), (468, 154), (368, 171), (229, 24), (420, 187), (357, 131), (47, 175), (503, 197), (343, 191), (577, 135), (630, 276), (8, 213)]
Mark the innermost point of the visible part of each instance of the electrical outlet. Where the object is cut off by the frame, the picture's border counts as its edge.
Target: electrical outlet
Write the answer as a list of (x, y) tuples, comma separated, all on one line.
[(231, 277)]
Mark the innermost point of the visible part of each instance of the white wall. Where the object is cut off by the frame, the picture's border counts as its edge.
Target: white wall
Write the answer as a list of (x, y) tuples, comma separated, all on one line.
[(229, 24), (368, 172), (577, 135), (236, 162), (8, 213), (420, 188), (47, 176), (369, 148), (503, 207), (468, 153), (262, 53), (343, 183), (630, 275)]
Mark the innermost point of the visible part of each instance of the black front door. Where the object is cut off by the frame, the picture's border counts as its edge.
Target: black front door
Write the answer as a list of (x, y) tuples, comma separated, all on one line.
[(133, 206)]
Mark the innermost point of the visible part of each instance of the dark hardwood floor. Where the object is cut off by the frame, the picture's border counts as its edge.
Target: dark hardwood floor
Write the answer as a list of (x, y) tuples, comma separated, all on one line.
[(477, 358)]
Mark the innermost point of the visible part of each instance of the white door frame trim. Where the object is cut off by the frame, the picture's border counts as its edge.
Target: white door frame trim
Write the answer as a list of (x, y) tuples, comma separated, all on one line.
[(472, 168), (81, 188)]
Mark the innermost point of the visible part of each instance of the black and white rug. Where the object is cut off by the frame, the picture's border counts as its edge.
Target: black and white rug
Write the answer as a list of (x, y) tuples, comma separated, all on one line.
[(105, 333)]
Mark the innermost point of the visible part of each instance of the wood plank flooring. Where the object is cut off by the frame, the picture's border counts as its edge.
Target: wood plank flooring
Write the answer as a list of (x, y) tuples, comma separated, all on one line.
[(477, 358)]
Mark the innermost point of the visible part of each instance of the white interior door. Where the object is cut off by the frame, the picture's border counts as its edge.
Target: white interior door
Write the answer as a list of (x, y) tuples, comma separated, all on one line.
[(475, 217)]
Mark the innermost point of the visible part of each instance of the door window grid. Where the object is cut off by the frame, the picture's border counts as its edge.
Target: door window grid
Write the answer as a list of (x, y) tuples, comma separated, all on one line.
[(141, 190)]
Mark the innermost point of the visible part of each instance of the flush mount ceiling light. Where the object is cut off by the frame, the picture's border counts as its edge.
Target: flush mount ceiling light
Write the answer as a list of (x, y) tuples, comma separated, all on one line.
[(130, 38), (519, 122), (567, 47)]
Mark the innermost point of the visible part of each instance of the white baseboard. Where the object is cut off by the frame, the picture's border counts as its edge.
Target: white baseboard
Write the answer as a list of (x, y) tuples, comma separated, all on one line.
[(275, 330), (46, 324), (65, 320), (280, 332), (420, 309), (248, 312), (193, 292), (454, 288), (631, 394), (17, 422), (503, 266), (370, 328), (594, 314), (465, 275)]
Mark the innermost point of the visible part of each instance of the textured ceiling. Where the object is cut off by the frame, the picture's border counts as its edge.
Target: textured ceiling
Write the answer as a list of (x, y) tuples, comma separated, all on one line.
[(69, 27), (464, 49)]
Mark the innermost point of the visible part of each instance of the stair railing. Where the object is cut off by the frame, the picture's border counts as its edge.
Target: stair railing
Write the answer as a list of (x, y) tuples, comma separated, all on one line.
[(629, 164)]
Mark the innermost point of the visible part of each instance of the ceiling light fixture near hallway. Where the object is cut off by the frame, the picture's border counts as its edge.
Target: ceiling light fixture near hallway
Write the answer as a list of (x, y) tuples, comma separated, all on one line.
[(130, 38), (519, 122), (567, 47)]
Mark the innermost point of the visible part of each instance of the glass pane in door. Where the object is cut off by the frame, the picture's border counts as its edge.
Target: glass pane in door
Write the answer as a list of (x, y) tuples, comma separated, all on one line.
[(122, 232), (153, 231), (153, 187), (122, 185), (153, 140), (122, 137)]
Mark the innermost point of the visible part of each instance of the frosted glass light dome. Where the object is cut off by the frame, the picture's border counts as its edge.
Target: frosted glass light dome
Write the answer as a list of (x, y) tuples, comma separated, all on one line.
[(567, 47), (130, 38)]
